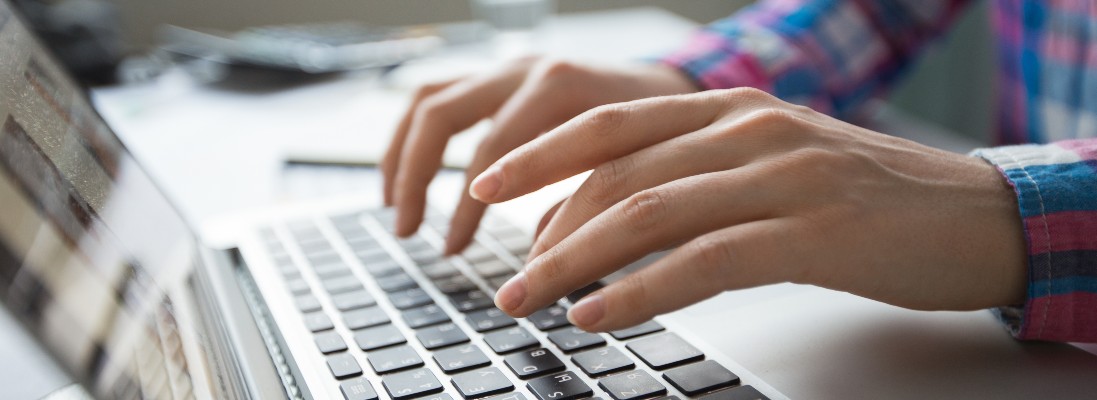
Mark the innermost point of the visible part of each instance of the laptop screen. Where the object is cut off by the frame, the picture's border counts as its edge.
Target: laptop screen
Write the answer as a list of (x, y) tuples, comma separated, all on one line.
[(89, 247)]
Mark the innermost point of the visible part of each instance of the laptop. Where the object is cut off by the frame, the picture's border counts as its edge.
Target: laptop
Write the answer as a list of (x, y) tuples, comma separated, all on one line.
[(323, 302)]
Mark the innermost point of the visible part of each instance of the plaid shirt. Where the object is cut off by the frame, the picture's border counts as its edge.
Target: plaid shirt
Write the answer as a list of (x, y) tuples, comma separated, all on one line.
[(833, 55)]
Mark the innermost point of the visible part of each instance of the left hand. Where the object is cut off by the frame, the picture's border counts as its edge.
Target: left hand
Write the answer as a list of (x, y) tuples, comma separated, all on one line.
[(760, 191)]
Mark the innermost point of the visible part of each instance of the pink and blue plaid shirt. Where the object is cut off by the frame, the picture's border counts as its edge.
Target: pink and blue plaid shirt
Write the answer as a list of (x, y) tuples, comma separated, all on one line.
[(833, 55)]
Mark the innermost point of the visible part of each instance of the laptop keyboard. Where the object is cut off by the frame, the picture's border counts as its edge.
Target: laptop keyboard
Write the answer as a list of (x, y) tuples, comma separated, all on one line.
[(399, 321)]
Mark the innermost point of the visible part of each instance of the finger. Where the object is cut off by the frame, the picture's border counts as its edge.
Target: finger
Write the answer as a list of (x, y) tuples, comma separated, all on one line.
[(390, 163), (442, 115), (611, 182), (643, 224), (534, 108), (603, 134), (738, 257)]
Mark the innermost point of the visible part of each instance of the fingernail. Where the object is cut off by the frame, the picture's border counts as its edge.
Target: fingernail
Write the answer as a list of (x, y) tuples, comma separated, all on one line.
[(512, 294), (588, 311), (487, 185)]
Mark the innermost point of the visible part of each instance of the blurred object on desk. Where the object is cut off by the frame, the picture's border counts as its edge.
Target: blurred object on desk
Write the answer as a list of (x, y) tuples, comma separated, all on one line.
[(310, 48), (515, 23)]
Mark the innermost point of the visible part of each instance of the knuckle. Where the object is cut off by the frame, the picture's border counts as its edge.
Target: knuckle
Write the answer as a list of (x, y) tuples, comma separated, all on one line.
[(638, 294), (428, 89), (644, 210), (606, 119), (606, 182), (772, 123), (431, 108), (550, 266), (744, 94), (555, 69), (714, 255), (770, 117)]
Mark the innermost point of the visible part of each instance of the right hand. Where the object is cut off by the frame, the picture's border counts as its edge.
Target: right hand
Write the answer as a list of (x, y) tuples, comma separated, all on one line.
[(524, 99)]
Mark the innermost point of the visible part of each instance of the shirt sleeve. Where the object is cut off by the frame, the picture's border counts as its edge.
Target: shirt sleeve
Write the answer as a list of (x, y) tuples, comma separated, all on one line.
[(1056, 186), (830, 55)]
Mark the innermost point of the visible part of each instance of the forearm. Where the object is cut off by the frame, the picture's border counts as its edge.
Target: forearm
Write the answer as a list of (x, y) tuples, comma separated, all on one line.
[(829, 55)]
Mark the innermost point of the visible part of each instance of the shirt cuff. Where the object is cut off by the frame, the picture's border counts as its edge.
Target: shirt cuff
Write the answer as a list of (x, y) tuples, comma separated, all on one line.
[(1056, 188)]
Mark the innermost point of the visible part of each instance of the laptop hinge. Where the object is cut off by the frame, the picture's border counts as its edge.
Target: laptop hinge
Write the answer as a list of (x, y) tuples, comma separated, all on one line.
[(238, 351)]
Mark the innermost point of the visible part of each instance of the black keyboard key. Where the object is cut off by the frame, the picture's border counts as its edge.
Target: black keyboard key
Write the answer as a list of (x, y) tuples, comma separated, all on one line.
[(736, 393), (515, 241), (425, 256), (331, 270), (365, 317), (638, 330), (550, 318), (439, 270), (298, 286), (499, 281), (561, 386), (438, 396), (508, 396), (383, 267), (413, 243), (573, 339), (476, 253), (460, 358), (287, 268), (701, 377), (359, 239), (481, 382), (358, 389), (414, 383), (317, 321), (455, 284), (492, 318), (509, 340), (472, 300), (396, 282), (307, 303), (632, 385), (492, 267), (441, 336), (394, 359), (584, 291), (425, 316), (342, 284), (289, 275), (312, 244), (329, 342), (371, 254), (602, 361), (410, 298), (344, 366), (664, 350), (378, 337), (532, 363), (315, 247), (353, 300)]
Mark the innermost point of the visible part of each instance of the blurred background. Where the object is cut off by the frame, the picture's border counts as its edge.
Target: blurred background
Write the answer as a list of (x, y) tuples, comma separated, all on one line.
[(951, 86)]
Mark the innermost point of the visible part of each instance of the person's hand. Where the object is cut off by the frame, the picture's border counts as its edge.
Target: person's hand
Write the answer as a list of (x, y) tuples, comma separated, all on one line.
[(525, 99), (760, 192)]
